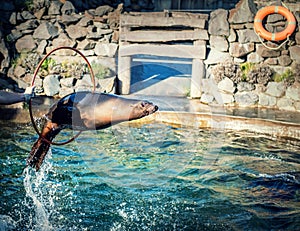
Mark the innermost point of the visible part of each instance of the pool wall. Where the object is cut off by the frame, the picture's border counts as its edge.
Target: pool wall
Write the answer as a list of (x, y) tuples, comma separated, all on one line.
[(227, 122)]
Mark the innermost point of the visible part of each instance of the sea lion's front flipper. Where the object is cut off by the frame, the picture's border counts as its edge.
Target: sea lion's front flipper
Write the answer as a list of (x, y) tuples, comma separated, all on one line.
[(41, 146)]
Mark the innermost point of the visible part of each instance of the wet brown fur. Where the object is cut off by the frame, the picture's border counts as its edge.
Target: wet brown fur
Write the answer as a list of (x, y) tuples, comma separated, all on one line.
[(86, 111)]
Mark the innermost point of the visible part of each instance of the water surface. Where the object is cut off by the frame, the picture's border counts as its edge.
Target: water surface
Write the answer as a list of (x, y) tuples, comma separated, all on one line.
[(151, 177)]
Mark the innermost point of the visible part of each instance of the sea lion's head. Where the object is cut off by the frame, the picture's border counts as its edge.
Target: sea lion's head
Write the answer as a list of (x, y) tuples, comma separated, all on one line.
[(142, 109)]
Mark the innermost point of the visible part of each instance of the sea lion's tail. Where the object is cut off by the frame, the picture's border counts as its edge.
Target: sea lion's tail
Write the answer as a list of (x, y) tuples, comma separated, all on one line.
[(38, 153), (42, 145)]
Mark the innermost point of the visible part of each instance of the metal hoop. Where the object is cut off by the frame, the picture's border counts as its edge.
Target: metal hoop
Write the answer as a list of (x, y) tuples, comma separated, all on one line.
[(32, 84)]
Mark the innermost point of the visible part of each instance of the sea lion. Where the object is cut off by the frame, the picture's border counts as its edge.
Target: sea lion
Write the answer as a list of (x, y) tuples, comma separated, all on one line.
[(86, 111)]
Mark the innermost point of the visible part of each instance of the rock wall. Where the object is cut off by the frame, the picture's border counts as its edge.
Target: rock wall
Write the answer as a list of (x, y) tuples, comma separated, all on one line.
[(273, 74), (28, 35)]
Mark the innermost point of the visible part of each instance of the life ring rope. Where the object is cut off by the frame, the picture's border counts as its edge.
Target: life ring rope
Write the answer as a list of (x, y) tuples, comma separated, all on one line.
[(272, 48), (279, 36)]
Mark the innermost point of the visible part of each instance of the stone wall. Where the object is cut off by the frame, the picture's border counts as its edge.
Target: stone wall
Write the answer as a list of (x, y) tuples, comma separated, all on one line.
[(27, 36), (234, 44), (31, 35)]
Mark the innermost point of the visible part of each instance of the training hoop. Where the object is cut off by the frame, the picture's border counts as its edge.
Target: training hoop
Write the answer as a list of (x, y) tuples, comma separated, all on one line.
[(32, 84), (262, 32)]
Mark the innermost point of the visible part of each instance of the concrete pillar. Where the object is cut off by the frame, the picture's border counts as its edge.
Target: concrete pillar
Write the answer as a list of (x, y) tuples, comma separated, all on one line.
[(198, 73), (124, 75)]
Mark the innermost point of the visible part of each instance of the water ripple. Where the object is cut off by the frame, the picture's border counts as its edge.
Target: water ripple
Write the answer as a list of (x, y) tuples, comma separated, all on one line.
[(152, 177)]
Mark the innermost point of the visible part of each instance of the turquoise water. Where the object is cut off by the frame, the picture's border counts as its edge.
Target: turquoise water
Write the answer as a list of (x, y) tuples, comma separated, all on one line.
[(151, 177)]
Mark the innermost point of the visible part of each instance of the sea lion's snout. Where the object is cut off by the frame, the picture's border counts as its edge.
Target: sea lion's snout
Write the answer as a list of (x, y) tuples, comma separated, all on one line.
[(148, 107), (142, 109)]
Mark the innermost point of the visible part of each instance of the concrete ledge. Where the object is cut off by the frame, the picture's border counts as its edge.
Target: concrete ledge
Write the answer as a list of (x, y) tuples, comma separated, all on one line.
[(220, 122), (236, 123)]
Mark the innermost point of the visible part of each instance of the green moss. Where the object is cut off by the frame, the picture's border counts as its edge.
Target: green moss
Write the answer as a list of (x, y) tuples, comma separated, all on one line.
[(19, 59), (48, 64), (187, 92), (288, 75), (246, 68), (29, 5), (15, 62), (24, 5), (100, 71)]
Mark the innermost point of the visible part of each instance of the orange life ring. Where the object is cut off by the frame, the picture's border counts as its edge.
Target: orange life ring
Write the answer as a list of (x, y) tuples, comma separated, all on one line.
[(262, 32)]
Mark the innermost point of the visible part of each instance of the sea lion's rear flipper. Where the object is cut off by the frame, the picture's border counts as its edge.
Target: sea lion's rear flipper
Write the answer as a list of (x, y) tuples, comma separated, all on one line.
[(42, 145)]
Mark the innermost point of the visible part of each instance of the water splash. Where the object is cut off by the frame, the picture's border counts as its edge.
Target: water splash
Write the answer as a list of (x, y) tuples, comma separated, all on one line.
[(39, 199)]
